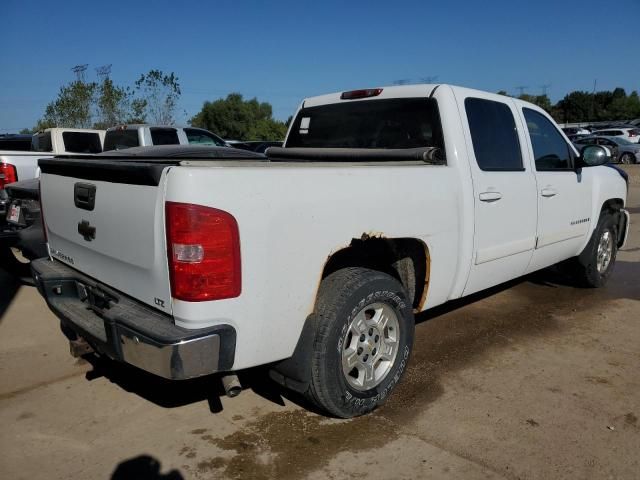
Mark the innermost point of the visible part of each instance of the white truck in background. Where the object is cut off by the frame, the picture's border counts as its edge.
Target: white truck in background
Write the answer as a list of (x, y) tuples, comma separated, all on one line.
[(143, 135), (23, 165), (384, 202)]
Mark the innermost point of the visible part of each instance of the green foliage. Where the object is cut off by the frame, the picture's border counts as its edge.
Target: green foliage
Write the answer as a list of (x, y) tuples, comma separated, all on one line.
[(81, 104), (72, 108), (600, 106), (159, 96), (113, 104), (27, 131), (239, 119)]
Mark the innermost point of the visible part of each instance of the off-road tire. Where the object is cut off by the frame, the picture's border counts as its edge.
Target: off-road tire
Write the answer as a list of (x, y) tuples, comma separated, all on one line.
[(583, 269), (342, 295)]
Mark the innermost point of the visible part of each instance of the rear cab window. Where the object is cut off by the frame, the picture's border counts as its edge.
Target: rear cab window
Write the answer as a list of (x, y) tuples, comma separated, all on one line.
[(81, 142), (120, 139), (397, 123), (201, 137), (164, 136)]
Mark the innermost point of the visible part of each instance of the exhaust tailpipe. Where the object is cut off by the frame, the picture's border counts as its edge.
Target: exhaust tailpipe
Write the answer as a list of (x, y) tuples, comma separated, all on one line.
[(231, 385)]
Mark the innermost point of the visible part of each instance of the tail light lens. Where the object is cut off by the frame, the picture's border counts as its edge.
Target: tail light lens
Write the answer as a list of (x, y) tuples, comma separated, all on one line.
[(203, 246), (8, 174)]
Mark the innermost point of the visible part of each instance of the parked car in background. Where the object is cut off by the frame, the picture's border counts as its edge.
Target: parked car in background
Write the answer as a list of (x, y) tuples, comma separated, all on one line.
[(575, 131), (628, 133), (141, 135), (15, 142), (622, 151)]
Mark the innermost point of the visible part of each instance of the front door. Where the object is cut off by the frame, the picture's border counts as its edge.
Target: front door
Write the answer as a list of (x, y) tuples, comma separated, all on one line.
[(564, 195), (504, 191)]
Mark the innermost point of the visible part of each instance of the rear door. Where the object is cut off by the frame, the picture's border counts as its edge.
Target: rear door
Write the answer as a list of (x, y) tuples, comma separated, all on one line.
[(504, 190), (106, 219)]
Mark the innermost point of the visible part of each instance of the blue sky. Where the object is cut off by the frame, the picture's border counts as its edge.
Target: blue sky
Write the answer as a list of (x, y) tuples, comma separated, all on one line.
[(283, 51)]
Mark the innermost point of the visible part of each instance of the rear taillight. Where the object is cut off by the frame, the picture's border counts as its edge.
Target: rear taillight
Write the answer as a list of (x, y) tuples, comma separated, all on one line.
[(8, 174), (203, 246)]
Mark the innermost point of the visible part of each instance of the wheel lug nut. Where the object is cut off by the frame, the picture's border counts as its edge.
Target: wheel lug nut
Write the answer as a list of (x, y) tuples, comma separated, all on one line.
[(365, 358), (374, 352), (377, 338), (362, 337), (370, 331), (359, 350)]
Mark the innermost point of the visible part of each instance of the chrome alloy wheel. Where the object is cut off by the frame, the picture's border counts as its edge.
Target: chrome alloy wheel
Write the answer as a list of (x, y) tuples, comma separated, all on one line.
[(605, 251), (370, 346)]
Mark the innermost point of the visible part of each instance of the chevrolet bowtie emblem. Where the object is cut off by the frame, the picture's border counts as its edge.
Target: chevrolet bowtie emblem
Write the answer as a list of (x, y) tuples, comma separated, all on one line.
[(87, 231)]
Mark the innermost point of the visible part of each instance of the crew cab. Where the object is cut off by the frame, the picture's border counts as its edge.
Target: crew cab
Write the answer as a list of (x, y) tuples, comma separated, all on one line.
[(383, 202), (142, 135)]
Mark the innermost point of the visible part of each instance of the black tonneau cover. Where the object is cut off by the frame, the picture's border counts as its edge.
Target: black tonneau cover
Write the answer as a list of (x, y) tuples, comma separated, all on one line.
[(117, 169), (425, 154)]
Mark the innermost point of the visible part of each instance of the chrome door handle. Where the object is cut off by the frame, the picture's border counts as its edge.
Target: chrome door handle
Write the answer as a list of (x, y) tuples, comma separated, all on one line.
[(490, 196), (548, 192)]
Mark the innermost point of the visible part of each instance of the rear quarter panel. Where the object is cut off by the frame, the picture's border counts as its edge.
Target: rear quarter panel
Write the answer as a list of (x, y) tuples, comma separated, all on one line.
[(292, 217)]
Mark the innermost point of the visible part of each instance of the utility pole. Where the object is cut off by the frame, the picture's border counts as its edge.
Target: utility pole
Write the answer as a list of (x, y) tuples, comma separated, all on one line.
[(103, 72), (402, 81), (544, 88), (521, 88), (79, 71)]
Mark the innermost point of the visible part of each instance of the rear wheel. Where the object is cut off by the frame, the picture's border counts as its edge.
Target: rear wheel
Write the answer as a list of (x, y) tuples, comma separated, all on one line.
[(362, 343)]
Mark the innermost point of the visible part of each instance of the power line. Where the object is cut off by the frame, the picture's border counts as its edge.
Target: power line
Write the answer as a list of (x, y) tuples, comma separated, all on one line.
[(521, 88)]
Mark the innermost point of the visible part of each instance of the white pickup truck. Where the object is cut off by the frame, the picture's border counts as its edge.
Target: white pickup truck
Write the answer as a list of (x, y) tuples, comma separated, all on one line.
[(23, 165), (142, 135), (383, 202)]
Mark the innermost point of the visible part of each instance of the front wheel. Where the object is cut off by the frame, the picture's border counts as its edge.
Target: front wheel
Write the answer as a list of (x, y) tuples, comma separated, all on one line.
[(593, 267), (362, 343), (627, 159)]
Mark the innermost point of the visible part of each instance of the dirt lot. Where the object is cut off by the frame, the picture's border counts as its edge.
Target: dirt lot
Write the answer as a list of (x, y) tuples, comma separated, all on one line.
[(535, 379)]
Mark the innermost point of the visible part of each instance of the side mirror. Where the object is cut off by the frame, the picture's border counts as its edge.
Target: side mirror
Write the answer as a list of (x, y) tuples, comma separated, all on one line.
[(594, 155)]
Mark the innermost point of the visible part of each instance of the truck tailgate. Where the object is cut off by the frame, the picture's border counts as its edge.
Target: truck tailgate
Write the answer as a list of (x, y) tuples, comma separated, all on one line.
[(105, 218)]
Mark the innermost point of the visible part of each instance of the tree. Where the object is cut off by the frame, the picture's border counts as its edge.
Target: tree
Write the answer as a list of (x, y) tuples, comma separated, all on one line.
[(113, 104), (240, 119), (159, 95), (72, 108)]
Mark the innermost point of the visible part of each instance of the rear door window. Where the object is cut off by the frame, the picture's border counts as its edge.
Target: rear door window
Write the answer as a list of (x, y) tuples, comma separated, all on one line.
[(494, 135), (164, 136), (81, 142), (202, 137), (42, 142), (121, 139), (549, 148), (397, 123)]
